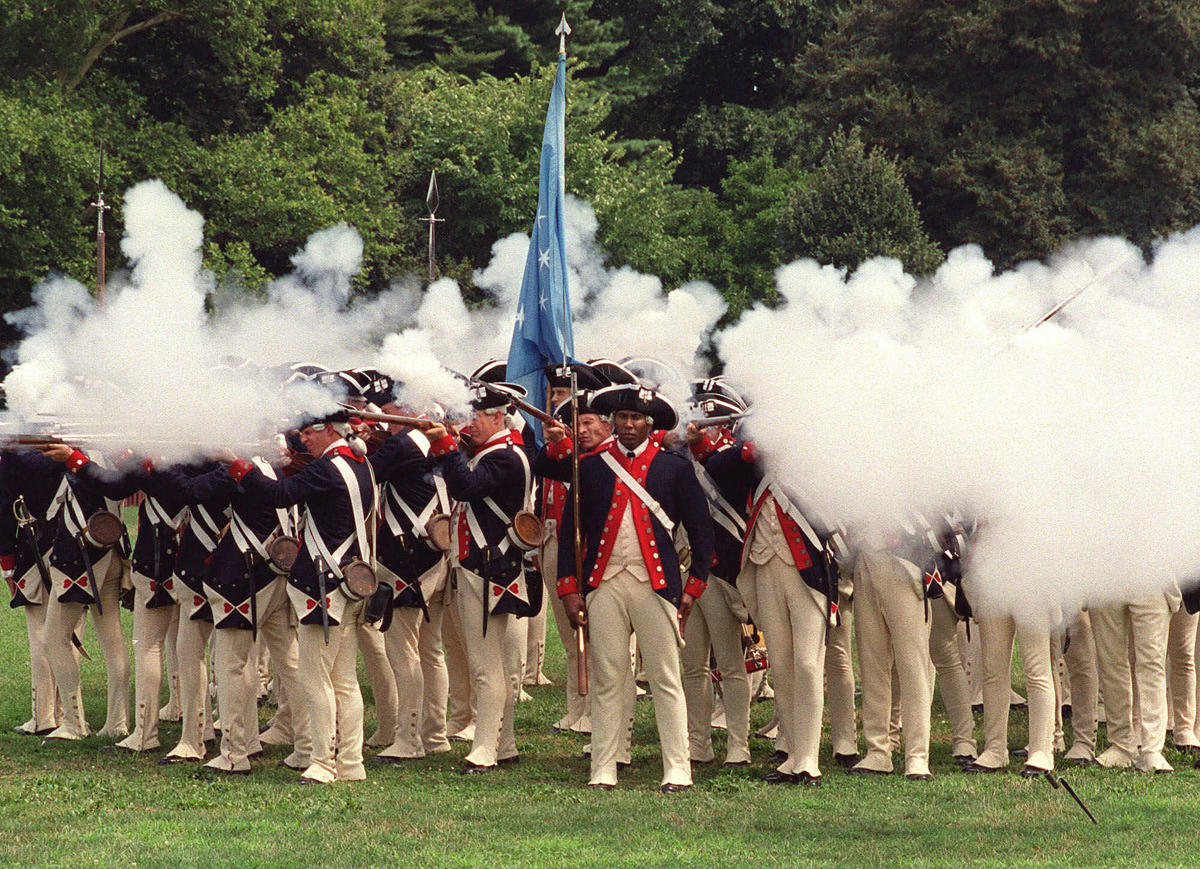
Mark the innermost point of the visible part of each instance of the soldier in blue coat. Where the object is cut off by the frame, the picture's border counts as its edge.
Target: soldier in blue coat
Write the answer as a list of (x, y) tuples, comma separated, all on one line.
[(28, 522), (633, 495), (336, 492), (489, 571)]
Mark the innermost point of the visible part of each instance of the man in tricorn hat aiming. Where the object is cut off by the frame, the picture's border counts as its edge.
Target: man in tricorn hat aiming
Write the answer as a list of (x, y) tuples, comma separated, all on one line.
[(633, 494)]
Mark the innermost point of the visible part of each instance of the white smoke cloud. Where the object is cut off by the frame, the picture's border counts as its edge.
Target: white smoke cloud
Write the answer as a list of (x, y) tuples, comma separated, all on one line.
[(1073, 441)]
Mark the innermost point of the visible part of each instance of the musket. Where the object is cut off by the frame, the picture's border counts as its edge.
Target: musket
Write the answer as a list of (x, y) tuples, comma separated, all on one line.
[(28, 526), (714, 421), (535, 412), (431, 202), (101, 206), (248, 556), (581, 650), (1050, 777), (91, 572), (368, 416)]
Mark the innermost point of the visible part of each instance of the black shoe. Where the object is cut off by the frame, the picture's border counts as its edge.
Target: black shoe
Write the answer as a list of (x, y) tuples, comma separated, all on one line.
[(1032, 771), (509, 761), (812, 781), (1189, 750), (778, 757), (475, 769), (862, 770), (974, 768), (845, 761), (1019, 752), (674, 789), (1067, 711), (623, 764), (963, 759), (919, 776), (1085, 762), (305, 780), (254, 754), (781, 778), (600, 786), (735, 763), (173, 760), (385, 761), (977, 708)]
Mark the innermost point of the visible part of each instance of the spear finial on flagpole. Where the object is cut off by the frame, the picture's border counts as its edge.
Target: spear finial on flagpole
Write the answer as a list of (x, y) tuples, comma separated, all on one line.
[(431, 202), (101, 206), (563, 31)]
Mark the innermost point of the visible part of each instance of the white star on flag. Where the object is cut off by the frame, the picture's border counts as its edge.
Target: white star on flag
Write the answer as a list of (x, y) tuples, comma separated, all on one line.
[(520, 317), (542, 300), (544, 259)]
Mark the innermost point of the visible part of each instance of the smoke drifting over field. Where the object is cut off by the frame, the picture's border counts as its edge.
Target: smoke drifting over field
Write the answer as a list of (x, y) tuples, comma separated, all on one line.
[(1073, 441), (875, 392)]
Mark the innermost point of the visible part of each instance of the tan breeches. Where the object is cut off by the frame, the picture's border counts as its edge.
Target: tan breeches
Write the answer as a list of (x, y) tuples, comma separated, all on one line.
[(951, 677), (579, 714), (404, 653), (174, 709), (1080, 660), (150, 628), (792, 618), (712, 624), (892, 635), (42, 691), (996, 639), (1147, 621), (495, 671), (436, 679), (329, 682), (1181, 676), (461, 698), (620, 607), (61, 620), (839, 682), (195, 709), (382, 679)]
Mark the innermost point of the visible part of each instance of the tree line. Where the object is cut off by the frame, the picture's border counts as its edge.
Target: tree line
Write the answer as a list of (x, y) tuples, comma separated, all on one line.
[(716, 139)]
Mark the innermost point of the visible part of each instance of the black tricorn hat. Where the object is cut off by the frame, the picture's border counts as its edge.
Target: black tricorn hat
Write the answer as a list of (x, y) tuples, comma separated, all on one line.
[(566, 408), (717, 386), (492, 371), (373, 385), (343, 384), (639, 399), (615, 372), (586, 376), (494, 396), (713, 405)]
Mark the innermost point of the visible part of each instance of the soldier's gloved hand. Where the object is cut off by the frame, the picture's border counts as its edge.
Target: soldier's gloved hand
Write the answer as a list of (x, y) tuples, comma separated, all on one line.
[(576, 611), (685, 609), (555, 431)]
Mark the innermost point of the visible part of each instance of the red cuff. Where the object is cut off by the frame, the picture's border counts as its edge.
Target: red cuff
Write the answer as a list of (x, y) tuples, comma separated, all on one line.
[(695, 587), (148, 466), (749, 452), (559, 451), (8, 562), (443, 445), (567, 585), (240, 468), (76, 461), (702, 448)]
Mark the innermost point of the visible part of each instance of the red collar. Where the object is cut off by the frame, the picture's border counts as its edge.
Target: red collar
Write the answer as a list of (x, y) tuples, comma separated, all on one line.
[(343, 450)]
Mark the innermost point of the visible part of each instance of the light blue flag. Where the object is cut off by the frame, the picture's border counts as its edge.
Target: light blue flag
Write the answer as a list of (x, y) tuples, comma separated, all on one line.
[(542, 333)]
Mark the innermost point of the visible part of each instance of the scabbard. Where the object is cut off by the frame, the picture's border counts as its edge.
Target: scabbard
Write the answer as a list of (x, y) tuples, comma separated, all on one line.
[(91, 573), (253, 598), (321, 586)]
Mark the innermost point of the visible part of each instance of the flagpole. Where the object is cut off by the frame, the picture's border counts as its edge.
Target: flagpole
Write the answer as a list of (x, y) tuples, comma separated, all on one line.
[(431, 202), (581, 639)]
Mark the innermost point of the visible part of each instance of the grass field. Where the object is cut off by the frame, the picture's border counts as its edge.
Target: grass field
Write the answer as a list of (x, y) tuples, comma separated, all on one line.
[(75, 805)]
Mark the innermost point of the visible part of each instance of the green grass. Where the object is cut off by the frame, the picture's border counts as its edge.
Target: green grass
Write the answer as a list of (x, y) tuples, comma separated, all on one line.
[(75, 805)]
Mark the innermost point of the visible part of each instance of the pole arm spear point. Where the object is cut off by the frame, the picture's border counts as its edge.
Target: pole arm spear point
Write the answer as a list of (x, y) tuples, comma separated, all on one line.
[(431, 196), (562, 32)]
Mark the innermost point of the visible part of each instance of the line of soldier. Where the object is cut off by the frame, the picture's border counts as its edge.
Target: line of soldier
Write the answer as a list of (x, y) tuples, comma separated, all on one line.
[(689, 548)]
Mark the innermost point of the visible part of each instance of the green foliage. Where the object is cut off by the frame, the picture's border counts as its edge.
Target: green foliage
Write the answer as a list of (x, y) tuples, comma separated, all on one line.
[(1022, 124), (855, 206)]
